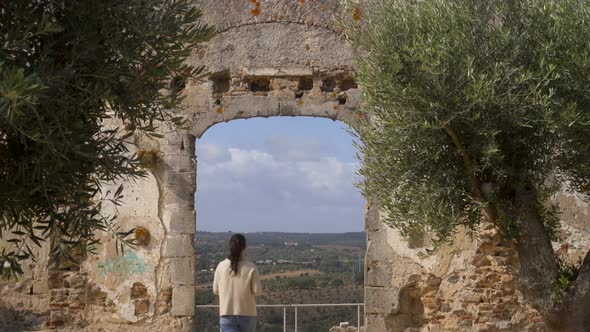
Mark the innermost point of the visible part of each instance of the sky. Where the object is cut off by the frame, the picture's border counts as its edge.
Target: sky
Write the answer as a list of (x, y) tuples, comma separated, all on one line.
[(280, 174)]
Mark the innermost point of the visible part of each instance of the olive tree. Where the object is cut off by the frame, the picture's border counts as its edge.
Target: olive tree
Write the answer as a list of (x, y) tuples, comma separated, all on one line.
[(67, 67), (480, 113)]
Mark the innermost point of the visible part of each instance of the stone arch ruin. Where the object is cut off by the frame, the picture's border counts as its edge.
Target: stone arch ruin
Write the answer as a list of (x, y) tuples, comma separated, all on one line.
[(281, 58)]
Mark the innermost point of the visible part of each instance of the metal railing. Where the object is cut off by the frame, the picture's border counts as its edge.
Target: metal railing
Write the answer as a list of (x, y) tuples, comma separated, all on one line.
[(296, 306)]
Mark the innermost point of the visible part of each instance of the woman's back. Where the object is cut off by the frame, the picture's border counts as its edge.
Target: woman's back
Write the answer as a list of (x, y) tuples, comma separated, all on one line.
[(237, 291)]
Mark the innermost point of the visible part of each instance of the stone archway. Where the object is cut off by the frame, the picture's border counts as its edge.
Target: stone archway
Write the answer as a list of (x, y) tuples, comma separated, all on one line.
[(289, 60)]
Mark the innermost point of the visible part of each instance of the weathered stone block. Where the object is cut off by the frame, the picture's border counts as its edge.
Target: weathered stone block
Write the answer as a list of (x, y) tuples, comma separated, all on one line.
[(76, 296), (288, 108), (173, 149), (183, 271), (247, 106), (198, 94), (179, 163), (183, 179), (40, 287), (57, 318), (55, 280), (381, 300), (279, 83), (178, 197), (377, 323), (182, 141), (58, 295), (74, 280), (377, 275), (179, 222), (183, 301), (179, 246)]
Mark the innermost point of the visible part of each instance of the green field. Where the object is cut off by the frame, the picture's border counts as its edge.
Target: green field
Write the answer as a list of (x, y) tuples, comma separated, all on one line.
[(295, 268)]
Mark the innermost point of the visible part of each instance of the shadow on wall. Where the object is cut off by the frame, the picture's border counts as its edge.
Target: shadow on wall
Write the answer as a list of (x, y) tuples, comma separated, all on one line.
[(20, 319), (411, 311)]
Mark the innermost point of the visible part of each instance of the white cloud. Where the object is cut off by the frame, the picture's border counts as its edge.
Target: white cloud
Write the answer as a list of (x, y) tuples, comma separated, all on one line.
[(264, 190), (212, 153), (286, 149)]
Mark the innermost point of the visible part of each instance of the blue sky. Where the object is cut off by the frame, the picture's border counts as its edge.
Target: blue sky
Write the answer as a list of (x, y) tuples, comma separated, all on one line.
[(287, 174)]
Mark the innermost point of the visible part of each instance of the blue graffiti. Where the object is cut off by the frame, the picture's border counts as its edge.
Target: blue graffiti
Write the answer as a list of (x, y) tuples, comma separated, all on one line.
[(129, 263)]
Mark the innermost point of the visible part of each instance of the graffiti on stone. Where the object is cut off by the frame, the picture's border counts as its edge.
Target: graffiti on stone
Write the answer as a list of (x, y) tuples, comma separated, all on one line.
[(129, 263)]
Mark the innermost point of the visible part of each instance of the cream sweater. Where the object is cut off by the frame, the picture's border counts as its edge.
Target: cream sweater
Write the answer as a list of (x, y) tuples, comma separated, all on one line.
[(237, 292)]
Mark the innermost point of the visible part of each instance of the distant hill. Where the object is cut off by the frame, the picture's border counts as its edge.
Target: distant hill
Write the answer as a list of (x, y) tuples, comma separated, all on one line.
[(351, 239)]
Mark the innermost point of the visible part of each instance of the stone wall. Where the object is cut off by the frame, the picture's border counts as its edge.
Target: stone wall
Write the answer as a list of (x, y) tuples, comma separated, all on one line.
[(24, 303), (468, 286)]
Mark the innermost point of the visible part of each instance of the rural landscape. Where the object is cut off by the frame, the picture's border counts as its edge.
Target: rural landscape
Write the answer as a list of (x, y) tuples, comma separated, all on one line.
[(294, 268)]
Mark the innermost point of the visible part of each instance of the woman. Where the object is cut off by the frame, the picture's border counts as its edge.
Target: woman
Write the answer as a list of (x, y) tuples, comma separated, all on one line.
[(237, 283)]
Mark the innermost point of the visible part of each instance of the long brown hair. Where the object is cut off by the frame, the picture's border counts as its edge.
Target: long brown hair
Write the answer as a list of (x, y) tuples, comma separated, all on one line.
[(237, 244)]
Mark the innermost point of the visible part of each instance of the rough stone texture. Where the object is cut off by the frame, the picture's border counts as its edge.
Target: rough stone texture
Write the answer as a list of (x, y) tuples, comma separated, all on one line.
[(24, 303), (575, 230), (480, 297), (183, 271), (183, 301), (381, 300), (179, 246), (468, 286), (289, 60), (179, 222), (343, 329)]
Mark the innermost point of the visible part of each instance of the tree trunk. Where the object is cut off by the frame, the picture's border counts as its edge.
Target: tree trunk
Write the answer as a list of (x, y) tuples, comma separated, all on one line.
[(539, 272), (579, 297), (562, 310)]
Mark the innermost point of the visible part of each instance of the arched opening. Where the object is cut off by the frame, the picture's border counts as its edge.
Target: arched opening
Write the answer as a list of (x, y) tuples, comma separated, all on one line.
[(288, 183)]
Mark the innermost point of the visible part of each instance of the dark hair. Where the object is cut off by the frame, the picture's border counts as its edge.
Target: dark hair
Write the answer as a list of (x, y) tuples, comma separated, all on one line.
[(237, 244)]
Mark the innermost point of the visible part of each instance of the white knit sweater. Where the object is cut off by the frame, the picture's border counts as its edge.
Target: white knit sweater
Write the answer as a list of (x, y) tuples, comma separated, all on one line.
[(237, 292)]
